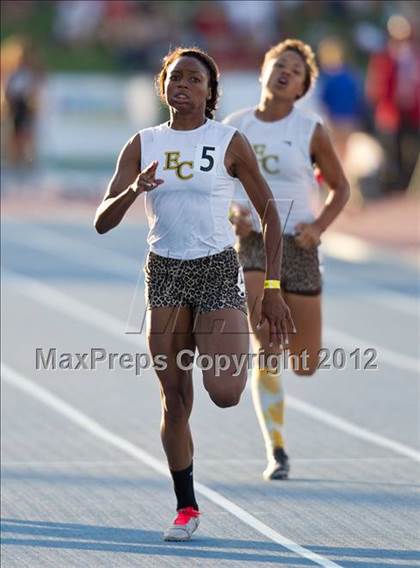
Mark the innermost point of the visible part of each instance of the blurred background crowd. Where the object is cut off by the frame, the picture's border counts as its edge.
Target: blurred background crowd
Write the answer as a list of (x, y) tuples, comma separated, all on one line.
[(368, 52)]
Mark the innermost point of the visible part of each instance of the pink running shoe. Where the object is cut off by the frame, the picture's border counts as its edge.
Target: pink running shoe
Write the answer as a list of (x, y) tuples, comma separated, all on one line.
[(183, 526)]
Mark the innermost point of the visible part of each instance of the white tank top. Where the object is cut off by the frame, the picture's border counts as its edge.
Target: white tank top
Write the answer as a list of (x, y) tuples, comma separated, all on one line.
[(282, 148), (188, 213)]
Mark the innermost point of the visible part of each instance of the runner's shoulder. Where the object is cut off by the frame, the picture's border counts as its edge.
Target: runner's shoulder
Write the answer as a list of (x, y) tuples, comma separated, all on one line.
[(238, 118)]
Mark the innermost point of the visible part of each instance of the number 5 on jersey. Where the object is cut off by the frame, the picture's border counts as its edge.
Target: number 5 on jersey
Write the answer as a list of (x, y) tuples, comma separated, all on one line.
[(207, 155), (205, 159), (184, 168)]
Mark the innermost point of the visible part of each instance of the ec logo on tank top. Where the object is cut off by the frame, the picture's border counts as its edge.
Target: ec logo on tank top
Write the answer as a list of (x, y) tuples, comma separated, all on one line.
[(267, 162), (184, 170)]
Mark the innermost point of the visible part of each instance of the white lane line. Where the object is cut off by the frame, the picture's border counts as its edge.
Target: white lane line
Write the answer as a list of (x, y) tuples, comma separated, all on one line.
[(68, 305), (74, 415), (390, 299), (351, 429), (110, 261), (392, 358), (76, 309), (77, 251), (354, 249), (203, 461), (332, 335), (67, 463), (397, 301)]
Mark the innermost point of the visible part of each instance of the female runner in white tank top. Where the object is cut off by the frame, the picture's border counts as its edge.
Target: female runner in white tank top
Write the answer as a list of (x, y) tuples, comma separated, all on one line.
[(186, 170), (287, 143)]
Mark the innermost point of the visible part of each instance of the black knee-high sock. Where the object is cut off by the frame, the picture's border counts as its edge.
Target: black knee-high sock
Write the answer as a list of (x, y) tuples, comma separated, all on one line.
[(184, 487)]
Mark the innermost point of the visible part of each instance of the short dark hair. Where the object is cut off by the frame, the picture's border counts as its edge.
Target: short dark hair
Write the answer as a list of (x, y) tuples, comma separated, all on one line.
[(208, 62), (305, 52)]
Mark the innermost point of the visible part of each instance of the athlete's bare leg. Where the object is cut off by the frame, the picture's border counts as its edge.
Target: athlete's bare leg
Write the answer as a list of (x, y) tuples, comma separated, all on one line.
[(267, 388), (223, 335), (306, 314), (169, 332)]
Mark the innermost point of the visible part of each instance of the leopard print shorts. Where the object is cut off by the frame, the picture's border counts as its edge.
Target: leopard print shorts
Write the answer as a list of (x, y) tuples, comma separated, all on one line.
[(300, 268), (203, 284)]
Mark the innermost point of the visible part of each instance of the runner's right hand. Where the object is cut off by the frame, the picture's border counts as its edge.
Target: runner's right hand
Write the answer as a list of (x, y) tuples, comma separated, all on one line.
[(146, 180), (276, 312)]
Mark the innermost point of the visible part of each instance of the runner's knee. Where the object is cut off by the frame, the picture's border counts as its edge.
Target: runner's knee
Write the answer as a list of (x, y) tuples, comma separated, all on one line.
[(225, 397), (225, 400)]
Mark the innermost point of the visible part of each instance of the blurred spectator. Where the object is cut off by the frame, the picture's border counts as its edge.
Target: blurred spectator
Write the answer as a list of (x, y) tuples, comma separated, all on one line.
[(139, 33), (232, 46), (13, 12), (133, 35), (21, 100), (254, 20), (211, 21), (77, 21), (340, 93), (214, 32), (254, 27), (393, 87)]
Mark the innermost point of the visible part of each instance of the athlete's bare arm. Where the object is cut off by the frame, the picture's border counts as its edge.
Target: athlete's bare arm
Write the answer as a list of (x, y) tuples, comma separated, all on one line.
[(329, 164), (126, 185), (325, 157), (241, 162)]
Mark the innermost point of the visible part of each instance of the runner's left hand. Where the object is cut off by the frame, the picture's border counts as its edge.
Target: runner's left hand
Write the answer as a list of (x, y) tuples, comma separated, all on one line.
[(276, 312), (308, 235)]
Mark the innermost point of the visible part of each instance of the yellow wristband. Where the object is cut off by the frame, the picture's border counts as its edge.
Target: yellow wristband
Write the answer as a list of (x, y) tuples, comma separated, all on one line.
[(272, 284)]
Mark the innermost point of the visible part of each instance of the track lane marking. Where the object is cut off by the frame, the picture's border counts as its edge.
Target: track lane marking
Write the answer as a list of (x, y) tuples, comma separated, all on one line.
[(91, 255), (43, 395), (76, 309)]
